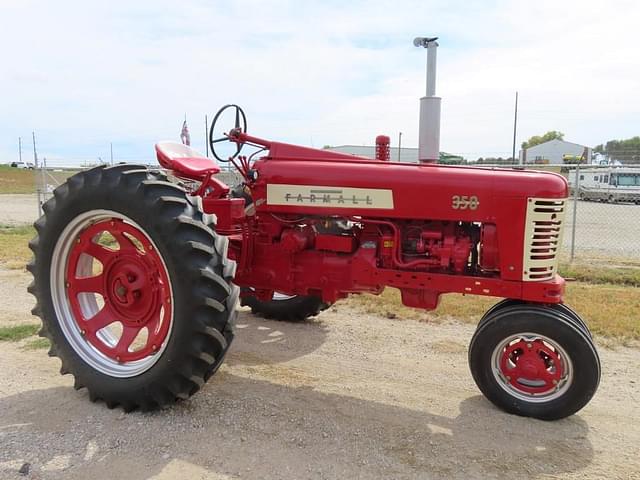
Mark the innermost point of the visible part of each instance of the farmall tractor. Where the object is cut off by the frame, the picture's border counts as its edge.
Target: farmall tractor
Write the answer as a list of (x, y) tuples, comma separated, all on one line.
[(138, 270)]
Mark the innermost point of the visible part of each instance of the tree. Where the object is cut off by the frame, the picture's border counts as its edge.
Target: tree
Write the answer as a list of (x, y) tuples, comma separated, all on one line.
[(625, 151), (494, 161), (537, 139)]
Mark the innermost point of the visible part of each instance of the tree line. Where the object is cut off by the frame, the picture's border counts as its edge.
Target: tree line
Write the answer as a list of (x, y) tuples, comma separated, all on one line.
[(625, 151)]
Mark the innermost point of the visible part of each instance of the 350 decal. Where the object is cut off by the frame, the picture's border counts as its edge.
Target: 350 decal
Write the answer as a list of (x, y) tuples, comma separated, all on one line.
[(464, 202)]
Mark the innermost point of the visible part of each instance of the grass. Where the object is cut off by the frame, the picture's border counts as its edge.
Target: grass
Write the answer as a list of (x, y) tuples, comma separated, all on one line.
[(37, 344), (20, 180), (16, 333), (16, 180), (14, 249), (610, 310), (618, 275)]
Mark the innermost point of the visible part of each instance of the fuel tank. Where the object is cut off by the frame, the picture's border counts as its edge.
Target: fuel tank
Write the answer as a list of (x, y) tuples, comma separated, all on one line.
[(400, 190)]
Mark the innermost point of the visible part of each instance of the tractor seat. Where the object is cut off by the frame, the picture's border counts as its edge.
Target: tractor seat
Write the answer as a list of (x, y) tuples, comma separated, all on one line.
[(185, 161)]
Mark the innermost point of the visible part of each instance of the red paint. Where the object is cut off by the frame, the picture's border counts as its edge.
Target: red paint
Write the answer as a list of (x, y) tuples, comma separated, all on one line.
[(193, 166), (531, 366), (133, 284), (335, 243), (383, 153), (489, 251)]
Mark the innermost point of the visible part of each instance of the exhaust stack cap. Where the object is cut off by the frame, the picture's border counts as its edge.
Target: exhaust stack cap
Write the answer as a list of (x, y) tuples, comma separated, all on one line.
[(424, 41)]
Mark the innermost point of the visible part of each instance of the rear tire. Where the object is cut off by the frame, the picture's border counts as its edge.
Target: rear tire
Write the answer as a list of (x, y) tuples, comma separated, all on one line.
[(168, 276), (535, 362), (287, 309)]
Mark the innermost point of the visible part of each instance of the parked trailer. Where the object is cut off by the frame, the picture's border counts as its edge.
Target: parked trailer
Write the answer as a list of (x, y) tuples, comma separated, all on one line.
[(612, 184)]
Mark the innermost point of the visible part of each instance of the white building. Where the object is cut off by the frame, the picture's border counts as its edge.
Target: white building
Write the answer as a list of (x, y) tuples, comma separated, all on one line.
[(406, 154), (553, 152)]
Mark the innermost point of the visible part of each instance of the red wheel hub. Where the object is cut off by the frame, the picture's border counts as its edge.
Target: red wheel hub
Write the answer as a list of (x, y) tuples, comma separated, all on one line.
[(531, 366), (134, 286)]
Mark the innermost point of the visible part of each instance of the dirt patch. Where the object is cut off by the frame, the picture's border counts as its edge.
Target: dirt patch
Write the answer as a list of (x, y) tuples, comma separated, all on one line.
[(15, 302), (18, 209), (449, 346)]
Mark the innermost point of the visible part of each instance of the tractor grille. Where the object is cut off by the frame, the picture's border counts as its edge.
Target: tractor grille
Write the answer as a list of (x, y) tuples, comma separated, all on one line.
[(542, 238)]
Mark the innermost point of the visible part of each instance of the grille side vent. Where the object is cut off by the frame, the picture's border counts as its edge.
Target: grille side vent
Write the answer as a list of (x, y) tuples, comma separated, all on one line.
[(542, 238)]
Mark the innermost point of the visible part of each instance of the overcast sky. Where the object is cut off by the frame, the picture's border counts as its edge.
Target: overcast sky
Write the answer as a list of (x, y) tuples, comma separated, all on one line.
[(86, 73)]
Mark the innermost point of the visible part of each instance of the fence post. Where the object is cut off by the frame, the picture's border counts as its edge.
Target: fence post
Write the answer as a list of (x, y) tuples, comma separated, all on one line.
[(35, 174), (576, 190)]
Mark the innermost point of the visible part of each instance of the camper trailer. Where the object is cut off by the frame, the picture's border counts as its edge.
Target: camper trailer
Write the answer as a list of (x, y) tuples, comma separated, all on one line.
[(612, 184)]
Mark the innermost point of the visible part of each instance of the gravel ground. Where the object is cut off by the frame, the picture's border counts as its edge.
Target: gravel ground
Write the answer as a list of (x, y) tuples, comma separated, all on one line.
[(18, 209), (343, 396)]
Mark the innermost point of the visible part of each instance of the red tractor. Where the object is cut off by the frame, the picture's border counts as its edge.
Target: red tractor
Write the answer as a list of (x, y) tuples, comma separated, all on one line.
[(137, 270)]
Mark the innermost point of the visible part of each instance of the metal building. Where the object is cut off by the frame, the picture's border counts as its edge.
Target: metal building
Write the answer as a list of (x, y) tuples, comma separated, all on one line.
[(553, 152), (406, 154)]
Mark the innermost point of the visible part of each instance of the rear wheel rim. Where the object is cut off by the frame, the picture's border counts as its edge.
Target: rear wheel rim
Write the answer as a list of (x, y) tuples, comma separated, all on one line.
[(532, 367), (119, 320)]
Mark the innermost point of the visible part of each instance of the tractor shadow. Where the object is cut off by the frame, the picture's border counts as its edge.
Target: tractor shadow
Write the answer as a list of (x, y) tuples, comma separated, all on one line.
[(276, 342), (254, 429)]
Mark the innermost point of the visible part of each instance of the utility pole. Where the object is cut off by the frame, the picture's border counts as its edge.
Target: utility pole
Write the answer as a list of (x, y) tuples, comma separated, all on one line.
[(576, 195), (20, 148), (43, 179), (515, 127), (35, 154), (35, 176), (111, 147), (206, 134), (399, 144)]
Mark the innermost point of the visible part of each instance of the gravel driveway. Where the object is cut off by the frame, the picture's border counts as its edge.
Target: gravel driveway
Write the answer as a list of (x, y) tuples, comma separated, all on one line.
[(344, 396), (18, 209)]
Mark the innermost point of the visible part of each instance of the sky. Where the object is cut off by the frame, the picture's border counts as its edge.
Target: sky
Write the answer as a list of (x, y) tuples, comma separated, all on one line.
[(84, 74)]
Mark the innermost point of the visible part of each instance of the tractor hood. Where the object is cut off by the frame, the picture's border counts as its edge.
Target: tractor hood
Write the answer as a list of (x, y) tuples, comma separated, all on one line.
[(399, 190)]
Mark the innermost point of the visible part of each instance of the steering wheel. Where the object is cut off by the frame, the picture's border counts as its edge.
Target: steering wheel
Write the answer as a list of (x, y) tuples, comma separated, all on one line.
[(240, 125)]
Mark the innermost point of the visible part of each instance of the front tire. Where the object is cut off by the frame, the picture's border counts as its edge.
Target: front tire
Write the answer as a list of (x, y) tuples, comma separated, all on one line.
[(534, 361), (147, 317), (561, 308)]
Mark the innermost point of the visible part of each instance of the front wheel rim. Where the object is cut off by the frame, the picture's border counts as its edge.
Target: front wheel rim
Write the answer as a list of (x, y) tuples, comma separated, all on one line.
[(532, 367), (105, 317)]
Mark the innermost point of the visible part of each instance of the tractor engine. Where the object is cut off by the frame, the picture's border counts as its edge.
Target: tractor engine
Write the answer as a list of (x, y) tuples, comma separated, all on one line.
[(431, 246), (444, 246)]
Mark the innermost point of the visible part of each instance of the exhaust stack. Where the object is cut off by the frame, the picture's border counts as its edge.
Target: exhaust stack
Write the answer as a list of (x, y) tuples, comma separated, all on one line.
[(429, 134)]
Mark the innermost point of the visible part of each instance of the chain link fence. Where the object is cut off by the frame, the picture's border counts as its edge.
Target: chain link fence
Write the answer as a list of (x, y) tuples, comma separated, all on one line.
[(603, 212), (601, 220), (46, 180)]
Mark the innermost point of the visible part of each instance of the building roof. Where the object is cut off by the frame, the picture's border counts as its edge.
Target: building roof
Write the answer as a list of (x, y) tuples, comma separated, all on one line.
[(407, 154), (556, 140)]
